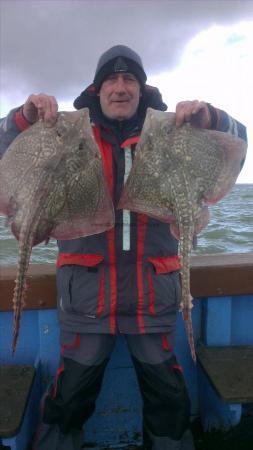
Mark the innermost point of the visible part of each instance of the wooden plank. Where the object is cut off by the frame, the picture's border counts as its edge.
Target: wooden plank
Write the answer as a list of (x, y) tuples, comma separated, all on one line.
[(230, 371), (41, 287), (15, 387), (211, 276), (222, 275), (222, 260)]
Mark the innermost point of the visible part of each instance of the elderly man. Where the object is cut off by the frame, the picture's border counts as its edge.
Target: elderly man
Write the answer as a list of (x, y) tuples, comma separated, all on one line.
[(113, 282)]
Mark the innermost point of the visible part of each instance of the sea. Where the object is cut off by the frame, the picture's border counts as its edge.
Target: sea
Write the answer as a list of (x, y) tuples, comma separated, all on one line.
[(230, 230)]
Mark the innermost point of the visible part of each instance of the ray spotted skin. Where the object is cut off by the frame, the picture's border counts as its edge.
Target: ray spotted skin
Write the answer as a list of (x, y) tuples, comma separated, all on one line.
[(52, 184), (177, 173)]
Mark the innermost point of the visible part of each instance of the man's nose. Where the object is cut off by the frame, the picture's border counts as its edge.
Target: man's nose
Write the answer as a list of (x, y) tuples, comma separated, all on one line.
[(120, 85)]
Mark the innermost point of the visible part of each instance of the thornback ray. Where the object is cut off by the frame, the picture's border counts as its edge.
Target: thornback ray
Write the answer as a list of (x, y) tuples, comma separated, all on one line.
[(52, 184), (176, 173)]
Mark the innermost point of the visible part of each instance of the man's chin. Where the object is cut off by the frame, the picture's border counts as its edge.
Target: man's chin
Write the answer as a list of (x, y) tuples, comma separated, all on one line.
[(120, 115), (120, 118)]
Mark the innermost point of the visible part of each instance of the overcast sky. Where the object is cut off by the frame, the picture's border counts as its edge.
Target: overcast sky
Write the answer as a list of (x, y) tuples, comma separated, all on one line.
[(190, 49)]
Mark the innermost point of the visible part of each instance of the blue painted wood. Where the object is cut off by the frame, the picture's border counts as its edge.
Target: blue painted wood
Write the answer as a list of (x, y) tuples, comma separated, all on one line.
[(117, 419), (27, 347), (49, 349), (183, 354), (242, 328), (227, 321), (242, 320), (217, 321)]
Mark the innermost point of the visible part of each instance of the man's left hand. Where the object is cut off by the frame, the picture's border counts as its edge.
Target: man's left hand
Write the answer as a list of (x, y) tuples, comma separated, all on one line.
[(195, 112)]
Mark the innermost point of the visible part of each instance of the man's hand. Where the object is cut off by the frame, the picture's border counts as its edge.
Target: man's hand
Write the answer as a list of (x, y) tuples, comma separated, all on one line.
[(195, 112), (41, 106)]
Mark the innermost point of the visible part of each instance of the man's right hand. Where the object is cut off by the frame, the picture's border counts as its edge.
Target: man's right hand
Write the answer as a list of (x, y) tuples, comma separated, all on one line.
[(41, 106)]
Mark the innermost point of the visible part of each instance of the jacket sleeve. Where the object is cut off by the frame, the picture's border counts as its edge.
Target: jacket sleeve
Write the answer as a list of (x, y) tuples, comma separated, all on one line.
[(10, 126), (221, 121)]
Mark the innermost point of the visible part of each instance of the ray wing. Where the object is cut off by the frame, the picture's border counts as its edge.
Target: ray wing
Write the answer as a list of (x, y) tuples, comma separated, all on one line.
[(61, 169), (208, 162)]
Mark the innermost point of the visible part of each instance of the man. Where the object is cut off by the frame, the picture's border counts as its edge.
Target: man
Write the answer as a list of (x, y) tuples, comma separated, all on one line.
[(125, 280)]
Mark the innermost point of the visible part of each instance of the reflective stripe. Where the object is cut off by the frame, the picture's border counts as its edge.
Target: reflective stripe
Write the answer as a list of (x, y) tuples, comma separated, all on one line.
[(126, 229), (4, 124), (236, 131), (232, 126), (126, 213)]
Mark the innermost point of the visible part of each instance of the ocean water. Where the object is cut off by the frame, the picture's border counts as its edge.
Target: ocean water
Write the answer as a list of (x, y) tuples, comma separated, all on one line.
[(230, 230)]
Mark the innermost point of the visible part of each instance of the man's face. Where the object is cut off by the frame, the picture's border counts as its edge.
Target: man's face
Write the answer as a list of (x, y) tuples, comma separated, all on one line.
[(119, 96)]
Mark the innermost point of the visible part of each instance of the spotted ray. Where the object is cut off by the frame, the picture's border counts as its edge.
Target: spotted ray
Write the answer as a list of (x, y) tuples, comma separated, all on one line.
[(176, 174), (52, 184)]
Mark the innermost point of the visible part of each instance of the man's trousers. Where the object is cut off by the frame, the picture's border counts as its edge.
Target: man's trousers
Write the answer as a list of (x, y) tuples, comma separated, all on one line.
[(71, 401)]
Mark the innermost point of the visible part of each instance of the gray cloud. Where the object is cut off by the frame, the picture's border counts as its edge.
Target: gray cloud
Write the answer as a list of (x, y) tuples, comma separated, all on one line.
[(53, 46)]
